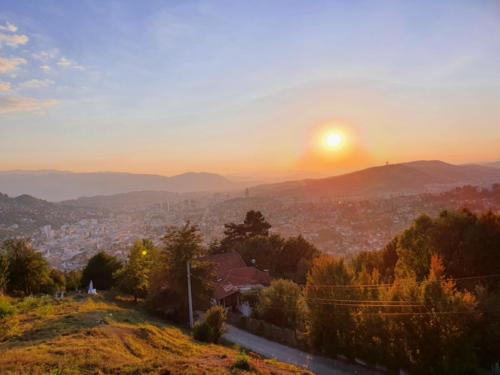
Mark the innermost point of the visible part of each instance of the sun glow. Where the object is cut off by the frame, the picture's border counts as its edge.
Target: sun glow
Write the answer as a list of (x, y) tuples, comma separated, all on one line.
[(333, 140)]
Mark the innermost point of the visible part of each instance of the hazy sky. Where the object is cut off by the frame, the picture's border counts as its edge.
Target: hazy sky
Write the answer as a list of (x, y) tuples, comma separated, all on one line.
[(243, 86)]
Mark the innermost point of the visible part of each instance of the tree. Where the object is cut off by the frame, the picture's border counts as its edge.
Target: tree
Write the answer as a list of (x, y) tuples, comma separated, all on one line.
[(73, 279), (295, 258), (254, 225), (57, 282), (383, 261), (467, 244), (168, 292), (281, 304), (416, 248), (4, 272), (261, 251), (101, 270), (454, 345), (134, 278), (28, 272), (332, 326)]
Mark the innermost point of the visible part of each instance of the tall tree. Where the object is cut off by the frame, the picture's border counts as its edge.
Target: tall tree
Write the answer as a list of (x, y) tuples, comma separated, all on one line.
[(101, 269), (254, 225), (295, 258), (332, 325), (168, 293), (134, 278), (261, 251), (28, 272)]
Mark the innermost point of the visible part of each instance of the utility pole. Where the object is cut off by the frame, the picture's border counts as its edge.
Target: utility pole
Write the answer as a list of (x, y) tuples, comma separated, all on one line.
[(190, 299)]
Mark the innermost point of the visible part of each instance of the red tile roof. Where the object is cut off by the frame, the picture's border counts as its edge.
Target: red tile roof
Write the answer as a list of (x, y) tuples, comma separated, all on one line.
[(243, 276), (232, 274)]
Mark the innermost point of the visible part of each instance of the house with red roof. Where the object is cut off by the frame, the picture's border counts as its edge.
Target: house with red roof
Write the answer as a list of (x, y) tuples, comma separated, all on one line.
[(234, 277)]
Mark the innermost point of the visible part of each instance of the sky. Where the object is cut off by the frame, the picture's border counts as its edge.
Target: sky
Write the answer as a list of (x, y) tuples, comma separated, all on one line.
[(247, 87)]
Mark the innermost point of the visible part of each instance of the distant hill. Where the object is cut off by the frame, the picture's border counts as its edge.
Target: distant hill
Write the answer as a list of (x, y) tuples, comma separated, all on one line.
[(405, 178), (59, 186), (127, 201), (25, 214)]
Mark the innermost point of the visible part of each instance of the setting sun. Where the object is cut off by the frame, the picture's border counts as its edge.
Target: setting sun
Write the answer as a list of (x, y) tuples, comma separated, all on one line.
[(333, 140)]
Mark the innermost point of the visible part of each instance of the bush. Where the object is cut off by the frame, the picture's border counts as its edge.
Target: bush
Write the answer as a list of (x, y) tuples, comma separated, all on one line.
[(6, 309), (212, 327), (8, 322), (216, 319), (202, 332), (242, 362)]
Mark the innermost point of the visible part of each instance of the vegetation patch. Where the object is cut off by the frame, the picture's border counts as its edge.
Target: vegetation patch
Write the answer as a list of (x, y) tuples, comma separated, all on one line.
[(95, 335)]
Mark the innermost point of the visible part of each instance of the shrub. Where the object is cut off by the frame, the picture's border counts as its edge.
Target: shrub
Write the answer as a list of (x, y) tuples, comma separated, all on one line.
[(8, 322), (202, 332), (212, 327), (242, 362), (6, 309), (216, 319)]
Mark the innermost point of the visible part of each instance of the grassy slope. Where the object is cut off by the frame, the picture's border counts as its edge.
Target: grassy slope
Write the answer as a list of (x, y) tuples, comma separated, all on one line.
[(95, 336)]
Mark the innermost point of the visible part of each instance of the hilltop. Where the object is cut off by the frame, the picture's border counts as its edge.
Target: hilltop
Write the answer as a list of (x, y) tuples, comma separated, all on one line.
[(392, 179), (83, 335)]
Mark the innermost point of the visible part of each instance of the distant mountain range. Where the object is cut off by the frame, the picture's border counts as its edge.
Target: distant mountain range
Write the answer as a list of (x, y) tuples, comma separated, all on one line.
[(108, 189), (59, 186), (405, 178)]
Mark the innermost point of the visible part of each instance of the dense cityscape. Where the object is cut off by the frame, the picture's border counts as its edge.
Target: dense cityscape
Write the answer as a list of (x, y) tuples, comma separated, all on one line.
[(335, 227)]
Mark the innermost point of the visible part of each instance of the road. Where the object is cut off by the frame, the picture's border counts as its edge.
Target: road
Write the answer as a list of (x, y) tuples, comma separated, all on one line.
[(270, 349)]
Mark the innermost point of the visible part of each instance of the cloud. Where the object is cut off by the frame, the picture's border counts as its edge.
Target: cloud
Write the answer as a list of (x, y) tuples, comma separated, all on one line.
[(9, 65), (4, 86), (64, 62), (67, 63), (12, 40), (10, 104), (45, 68), (9, 27), (36, 83), (46, 55)]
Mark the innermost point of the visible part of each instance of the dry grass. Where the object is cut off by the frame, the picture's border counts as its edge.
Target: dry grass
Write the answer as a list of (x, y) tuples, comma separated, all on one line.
[(97, 336)]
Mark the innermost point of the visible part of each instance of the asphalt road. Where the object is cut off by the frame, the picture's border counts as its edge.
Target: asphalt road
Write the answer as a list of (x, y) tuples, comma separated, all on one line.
[(270, 349)]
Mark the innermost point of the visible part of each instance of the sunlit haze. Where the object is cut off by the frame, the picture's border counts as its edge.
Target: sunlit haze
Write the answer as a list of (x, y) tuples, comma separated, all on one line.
[(242, 88)]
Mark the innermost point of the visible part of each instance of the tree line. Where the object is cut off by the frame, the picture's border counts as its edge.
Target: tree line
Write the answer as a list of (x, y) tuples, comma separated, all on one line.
[(429, 302)]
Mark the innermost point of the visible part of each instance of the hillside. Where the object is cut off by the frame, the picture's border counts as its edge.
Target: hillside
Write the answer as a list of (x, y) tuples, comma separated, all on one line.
[(58, 186), (25, 214), (406, 178), (127, 201), (82, 335)]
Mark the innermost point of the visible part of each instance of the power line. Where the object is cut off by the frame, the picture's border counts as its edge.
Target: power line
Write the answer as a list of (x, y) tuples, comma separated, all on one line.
[(365, 302), (399, 283), (357, 302)]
